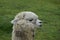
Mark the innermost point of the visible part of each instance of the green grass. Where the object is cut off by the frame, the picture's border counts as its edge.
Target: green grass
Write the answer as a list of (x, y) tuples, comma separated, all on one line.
[(47, 10)]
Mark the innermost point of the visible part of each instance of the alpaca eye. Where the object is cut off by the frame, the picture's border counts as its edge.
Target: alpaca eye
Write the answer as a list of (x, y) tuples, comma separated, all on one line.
[(30, 19)]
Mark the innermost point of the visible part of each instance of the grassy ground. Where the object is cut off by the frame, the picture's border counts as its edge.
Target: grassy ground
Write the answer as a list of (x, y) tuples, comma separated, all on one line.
[(47, 10)]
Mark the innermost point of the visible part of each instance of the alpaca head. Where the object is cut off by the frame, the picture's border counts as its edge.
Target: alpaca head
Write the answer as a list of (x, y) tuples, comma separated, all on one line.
[(28, 16)]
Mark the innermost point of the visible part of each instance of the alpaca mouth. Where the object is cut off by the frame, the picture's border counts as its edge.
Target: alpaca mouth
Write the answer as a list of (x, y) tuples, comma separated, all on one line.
[(40, 25)]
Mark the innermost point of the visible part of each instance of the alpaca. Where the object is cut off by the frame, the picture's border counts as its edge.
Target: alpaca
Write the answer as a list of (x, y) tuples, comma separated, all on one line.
[(24, 25)]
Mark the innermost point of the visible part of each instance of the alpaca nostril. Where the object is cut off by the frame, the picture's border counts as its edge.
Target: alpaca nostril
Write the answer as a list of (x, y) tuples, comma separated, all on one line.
[(40, 22)]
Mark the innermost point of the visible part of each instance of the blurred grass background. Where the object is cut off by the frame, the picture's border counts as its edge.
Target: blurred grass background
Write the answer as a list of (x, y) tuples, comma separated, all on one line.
[(47, 10)]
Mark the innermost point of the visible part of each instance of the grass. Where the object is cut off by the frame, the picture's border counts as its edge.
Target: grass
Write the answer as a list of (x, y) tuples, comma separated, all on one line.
[(47, 10)]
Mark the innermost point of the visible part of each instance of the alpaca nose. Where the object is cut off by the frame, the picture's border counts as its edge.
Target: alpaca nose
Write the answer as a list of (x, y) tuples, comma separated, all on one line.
[(40, 22)]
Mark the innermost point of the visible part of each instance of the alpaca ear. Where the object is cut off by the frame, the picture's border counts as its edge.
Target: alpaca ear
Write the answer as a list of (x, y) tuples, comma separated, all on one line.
[(20, 16), (14, 21), (17, 18)]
